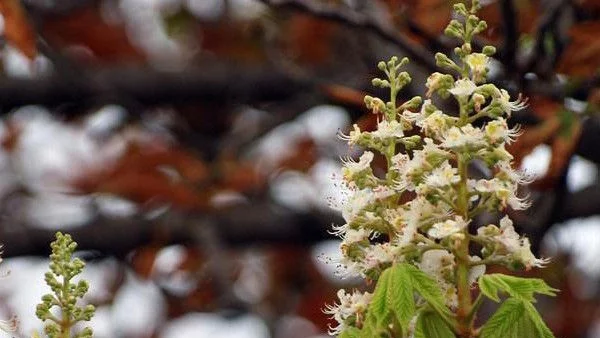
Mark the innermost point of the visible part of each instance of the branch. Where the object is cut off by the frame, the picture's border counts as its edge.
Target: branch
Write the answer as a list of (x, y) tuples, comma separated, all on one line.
[(243, 225), (589, 140), (550, 17), (509, 48), (583, 203), (214, 83), (353, 19)]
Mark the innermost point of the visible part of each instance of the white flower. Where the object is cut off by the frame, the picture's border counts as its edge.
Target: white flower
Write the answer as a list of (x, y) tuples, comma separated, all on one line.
[(358, 199), (476, 271), (399, 161), (509, 106), (338, 230), (442, 176), (467, 136), (508, 237), (447, 227), (512, 245), (394, 216), (354, 203), (497, 131), (9, 325), (382, 192), (478, 63), (488, 185), (354, 236), (433, 83), (434, 261), (507, 172), (414, 168), (509, 197), (439, 264), (416, 117), (347, 267), (434, 124), (364, 162), (388, 129), (463, 88), (504, 190), (406, 235), (432, 150), (350, 304), (422, 211), (378, 254), (526, 257), (413, 117), (353, 136), (506, 222)]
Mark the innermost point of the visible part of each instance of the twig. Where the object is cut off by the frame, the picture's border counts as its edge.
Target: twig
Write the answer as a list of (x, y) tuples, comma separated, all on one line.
[(352, 18), (509, 48), (549, 18)]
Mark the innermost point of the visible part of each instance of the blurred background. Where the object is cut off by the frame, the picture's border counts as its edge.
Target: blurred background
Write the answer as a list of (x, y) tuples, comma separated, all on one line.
[(190, 147)]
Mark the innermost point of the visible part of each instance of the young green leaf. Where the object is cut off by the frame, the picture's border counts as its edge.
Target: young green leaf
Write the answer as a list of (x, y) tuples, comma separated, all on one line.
[(394, 298), (394, 292), (350, 332), (401, 294), (537, 321), (516, 287), (428, 289), (516, 318), (431, 325)]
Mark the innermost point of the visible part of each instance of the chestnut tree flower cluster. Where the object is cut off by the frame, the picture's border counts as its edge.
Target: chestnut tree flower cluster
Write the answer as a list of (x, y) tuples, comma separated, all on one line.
[(62, 312), (410, 228), (66, 294)]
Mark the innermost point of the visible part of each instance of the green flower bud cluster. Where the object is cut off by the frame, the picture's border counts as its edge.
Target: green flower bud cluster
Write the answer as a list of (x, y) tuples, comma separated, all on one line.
[(66, 293)]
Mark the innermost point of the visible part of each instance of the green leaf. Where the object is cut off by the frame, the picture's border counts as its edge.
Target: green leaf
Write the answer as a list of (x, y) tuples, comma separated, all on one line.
[(428, 289), (431, 325), (537, 321), (516, 318), (402, 299), (350, 332), (394, 293), (393, 300), (516, 287)]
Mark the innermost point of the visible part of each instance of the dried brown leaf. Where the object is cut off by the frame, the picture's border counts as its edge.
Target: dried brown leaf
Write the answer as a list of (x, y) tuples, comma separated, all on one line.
[(582, 55), (17, 28)]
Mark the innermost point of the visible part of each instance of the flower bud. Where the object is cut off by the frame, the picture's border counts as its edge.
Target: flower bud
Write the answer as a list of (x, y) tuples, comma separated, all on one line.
[(377, 82), (443, 60), (489, 50), (460, 8), (413, 103), (478, 100), (481, 26)]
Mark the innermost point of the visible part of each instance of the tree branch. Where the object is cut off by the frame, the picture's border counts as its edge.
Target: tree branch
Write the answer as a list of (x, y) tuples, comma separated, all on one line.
[(509, 48), (242, 225), (213, 83), (350, 18), (549, 18), (583, 203)]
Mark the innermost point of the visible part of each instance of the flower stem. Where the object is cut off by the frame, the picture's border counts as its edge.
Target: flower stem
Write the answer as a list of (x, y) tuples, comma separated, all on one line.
[(462, 256)]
